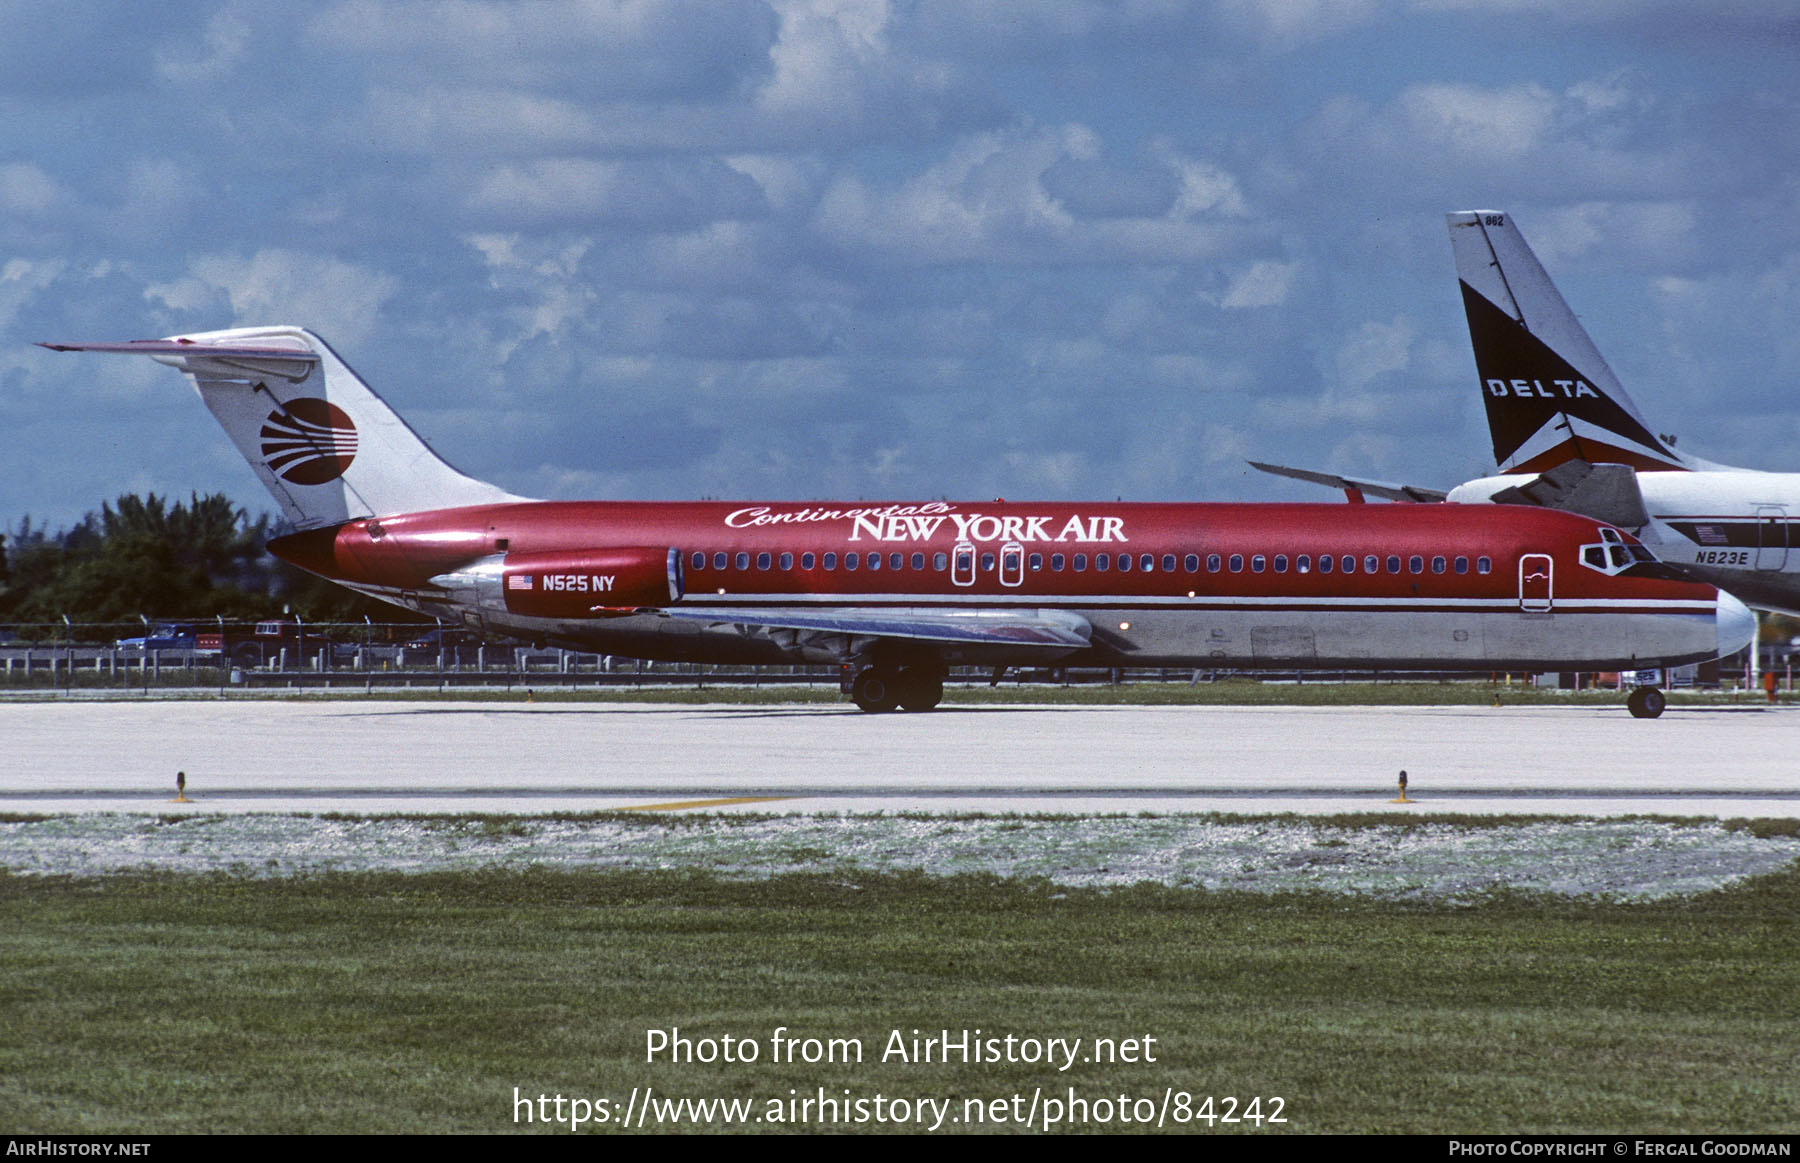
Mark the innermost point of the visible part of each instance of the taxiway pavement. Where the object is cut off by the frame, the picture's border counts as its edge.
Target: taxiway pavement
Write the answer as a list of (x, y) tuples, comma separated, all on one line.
[(434, 757)]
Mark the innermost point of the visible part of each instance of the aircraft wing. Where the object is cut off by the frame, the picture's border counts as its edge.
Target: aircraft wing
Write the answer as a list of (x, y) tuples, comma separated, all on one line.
[(1051, 629), (1382, 489)]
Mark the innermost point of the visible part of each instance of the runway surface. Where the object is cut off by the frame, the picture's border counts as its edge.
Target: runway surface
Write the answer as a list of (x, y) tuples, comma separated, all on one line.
[(438, 757)]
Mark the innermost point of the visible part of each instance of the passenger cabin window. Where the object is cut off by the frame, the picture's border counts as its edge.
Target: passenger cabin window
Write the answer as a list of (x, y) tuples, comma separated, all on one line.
[(1281, 563), (719, 561), (1258, 563), (1439, 565), (1102, 561), (1237, 563), (849, 561), (1125, 563), (1057, 561), (1372, 564), (1415, 564), (1462, 565), (1192, 563), (1393, 563), (830, 561), (1324, 563), (1348, 564), (1147, 563), (762, 561), (939, 562), (874, 561), (807, 561), (918, 561), (1081, 563), (1303, 564), (1484, 565), (787, 561), (698, 561), (743, 561)]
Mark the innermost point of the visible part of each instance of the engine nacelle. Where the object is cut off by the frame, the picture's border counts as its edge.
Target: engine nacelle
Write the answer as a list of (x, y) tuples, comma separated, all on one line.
[(573, 583), (590, 582)]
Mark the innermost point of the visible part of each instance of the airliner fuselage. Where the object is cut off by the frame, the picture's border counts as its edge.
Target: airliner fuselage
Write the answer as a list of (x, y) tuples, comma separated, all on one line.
[(931, 584)]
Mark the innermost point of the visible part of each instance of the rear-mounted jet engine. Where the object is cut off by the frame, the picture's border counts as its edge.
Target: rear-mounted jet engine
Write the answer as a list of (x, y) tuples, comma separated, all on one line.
[(591, 583)]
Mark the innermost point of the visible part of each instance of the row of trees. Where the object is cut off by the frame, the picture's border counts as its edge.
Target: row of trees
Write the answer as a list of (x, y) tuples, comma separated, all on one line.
[(144, 555)]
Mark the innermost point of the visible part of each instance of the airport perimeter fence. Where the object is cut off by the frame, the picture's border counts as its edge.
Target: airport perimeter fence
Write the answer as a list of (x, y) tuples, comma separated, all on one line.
[(147, 655)]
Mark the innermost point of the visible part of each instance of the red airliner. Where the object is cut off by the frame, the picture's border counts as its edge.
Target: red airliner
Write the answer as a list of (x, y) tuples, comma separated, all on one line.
[(899, 592)]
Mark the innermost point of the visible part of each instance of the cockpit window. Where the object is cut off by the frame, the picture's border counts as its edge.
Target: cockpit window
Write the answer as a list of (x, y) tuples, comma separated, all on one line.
[(1611, 555)]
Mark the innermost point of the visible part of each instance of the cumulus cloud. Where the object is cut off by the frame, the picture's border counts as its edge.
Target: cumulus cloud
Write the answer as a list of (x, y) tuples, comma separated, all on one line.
[(814, 246), (659, 194), (991, 197), (1284, 24), (222, 47), (340, 300), (1610, 134), (25, 189), (1262, 284), (597, 49)]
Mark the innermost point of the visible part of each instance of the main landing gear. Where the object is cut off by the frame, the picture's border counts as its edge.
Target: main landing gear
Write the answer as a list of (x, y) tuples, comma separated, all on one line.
[(910, 688), (1646, 702)]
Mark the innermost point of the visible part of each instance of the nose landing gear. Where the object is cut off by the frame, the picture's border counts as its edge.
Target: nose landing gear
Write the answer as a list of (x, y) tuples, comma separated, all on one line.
[(1646, 702)]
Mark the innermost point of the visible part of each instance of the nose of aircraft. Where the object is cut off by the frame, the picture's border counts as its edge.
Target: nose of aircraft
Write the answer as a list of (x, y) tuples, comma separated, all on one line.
[(1736, 625)]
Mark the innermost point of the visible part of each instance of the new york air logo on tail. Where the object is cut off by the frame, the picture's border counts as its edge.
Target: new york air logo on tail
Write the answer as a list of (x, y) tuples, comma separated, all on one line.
[(308, 441)]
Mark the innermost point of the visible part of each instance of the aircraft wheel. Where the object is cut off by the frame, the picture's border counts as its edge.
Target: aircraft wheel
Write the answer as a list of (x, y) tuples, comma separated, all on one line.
[(876, 690), (1646, 702), (920, 690)]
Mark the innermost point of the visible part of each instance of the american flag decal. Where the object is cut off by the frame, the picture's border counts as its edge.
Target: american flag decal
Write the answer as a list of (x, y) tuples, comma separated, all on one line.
[(1710, 535), (519, 581)]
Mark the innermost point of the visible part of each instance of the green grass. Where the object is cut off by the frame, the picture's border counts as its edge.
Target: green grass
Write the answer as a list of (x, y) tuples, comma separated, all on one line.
[(384, 1001)]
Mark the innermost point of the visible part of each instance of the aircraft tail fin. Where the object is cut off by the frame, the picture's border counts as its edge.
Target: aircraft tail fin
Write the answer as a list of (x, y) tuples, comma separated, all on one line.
[(322, 442), (1550, 395)]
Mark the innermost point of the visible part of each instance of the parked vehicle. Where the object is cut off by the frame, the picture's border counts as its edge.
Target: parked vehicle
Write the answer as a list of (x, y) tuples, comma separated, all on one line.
[(265, 642), (162, 636)]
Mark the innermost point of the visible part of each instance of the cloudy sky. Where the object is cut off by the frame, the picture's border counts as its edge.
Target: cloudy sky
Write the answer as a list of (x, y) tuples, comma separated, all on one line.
[(863, 249)]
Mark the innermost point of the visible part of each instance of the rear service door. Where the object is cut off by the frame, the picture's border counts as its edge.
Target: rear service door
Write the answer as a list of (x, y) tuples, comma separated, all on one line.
[(1771, 537)]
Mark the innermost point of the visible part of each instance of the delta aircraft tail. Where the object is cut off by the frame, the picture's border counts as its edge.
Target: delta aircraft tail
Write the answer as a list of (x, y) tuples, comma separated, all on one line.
[(324, 444), (1551, 398)]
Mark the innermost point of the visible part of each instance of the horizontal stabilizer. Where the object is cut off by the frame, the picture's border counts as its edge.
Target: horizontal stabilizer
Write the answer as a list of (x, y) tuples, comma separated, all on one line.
[(211, 361), (187, 348), (1383, 489)]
